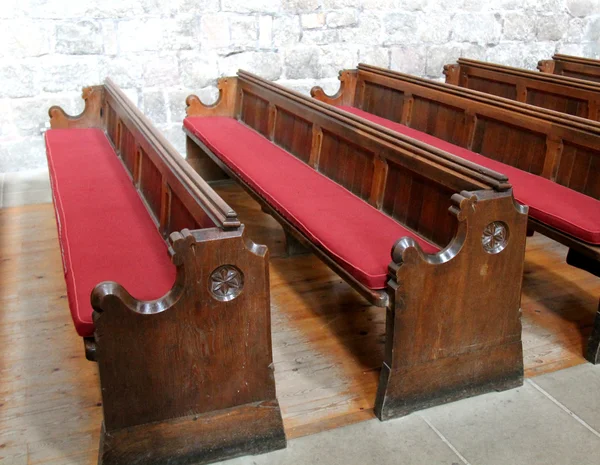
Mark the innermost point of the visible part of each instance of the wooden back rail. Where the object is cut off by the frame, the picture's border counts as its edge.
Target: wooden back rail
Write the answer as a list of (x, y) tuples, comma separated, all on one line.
[(188, 377), (560, 93), (560, 147), (440, 345), (575, 67)]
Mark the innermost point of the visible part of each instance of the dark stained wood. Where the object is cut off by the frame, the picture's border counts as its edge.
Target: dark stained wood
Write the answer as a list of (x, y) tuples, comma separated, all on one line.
[(328, 343), (187, 378), (571, 66), (559, 93), (560, 147), (434, 194)]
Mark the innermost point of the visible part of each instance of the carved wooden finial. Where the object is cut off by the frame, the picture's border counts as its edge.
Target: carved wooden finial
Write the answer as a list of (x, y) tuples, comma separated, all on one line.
[(225, 104), (91, 117)]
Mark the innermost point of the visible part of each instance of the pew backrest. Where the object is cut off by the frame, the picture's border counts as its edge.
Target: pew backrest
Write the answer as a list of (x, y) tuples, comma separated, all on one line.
[(392, 172), (559, 147), (560, 93), (571, 66), (175, 195)]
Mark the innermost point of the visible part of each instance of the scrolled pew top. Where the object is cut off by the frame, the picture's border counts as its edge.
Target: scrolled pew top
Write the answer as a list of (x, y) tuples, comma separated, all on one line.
[(99, 98)]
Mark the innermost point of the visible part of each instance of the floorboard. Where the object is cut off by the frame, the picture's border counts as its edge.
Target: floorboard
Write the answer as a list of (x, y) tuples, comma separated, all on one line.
[(327, 340)]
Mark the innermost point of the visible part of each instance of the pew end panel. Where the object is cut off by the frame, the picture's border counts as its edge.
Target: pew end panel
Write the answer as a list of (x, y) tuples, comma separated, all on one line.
[(92, 116), (346, 93), (454, 325), (558, 147), (546, 66), (463, 349), (191, 373), (225, 105), (186, 378)]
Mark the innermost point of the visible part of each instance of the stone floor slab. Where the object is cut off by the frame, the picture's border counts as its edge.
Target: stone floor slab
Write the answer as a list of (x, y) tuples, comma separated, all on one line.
[(578, 389), (407, 440), (519, 426)]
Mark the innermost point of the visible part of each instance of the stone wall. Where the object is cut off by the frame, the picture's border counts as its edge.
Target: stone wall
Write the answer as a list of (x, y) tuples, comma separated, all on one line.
[(162, 50)]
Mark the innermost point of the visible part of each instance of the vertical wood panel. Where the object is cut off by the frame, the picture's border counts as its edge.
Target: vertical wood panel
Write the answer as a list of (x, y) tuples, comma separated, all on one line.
[(347, 164), (294, 134), (255, 113), (150, 184), (577, 170), (561, 103)]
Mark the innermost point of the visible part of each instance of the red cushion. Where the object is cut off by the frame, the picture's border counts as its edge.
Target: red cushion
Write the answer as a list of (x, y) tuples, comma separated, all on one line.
[(358, 236), (104, 229), (558, 206)]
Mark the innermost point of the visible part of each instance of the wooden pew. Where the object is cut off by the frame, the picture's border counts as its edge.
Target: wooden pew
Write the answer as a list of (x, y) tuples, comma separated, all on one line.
[(453, 320), (186, 377), (559, 147), (575, 67), (559, 93)]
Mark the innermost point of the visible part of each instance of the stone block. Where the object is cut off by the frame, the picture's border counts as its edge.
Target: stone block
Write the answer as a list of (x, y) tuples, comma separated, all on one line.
[(312, 20), (79, 38), (265, 64), (25, 38), (302, 62), (519, 26), (480, 28), (214, 32), (18, 79), (161, 70), (138, 35), (59, 73), (409, 59), (286, 31), (265, 31), (198, 69), (342, 18), (154, 106), (376, 56), (551, 27)]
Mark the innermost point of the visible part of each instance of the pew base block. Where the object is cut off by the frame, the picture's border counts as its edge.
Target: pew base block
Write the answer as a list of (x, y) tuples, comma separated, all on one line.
[(593, 347), (406, 390), (249, 429)]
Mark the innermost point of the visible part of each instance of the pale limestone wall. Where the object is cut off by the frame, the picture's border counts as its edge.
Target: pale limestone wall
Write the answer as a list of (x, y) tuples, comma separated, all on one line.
[(162, 50)]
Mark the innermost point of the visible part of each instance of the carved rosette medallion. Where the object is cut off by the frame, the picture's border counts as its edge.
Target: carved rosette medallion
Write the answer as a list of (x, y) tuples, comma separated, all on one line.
[(495, 237), (226, 283)]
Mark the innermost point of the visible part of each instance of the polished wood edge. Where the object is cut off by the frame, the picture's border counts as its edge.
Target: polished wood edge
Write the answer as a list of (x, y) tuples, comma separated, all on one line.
[(344, 95), (224, 105), (575, 122), (216, 208), (481, 175), (92, 115), (181, 244), (575, 59), (248, 429), (555, 78)]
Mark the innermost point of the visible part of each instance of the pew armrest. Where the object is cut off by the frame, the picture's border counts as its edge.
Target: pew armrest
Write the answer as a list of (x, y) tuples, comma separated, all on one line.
[(345, 94), (225, 104), (92, 115)]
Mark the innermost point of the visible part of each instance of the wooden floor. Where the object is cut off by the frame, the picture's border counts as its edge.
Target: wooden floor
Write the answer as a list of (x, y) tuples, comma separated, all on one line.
[(327, 341)]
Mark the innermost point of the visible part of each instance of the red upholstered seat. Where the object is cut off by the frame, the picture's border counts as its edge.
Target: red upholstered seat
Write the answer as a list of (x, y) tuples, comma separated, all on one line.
[(553, 204), (104, 229), (358, 236)]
